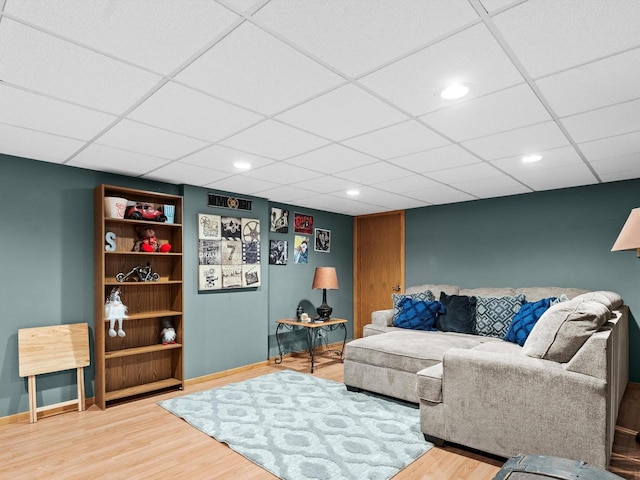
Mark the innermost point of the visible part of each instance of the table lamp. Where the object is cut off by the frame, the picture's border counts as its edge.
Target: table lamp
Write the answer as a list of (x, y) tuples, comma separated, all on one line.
[(326, 279)]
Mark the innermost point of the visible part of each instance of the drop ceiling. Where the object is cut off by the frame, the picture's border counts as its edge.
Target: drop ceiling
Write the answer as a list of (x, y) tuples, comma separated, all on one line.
[(326, 96)]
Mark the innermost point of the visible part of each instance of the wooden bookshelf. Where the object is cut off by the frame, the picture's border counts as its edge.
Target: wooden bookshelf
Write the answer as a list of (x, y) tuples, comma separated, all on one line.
[(137, 363)]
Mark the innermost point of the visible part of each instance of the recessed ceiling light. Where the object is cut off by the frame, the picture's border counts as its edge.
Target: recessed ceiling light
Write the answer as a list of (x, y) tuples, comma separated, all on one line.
[(240, 165), (353, 193), (456, 90), (531, 158)]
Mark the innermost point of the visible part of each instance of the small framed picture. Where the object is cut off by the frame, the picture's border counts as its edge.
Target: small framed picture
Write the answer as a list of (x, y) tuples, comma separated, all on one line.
[(303, 223), (322, 240), (301, 249), (279, 220), (278, 252)]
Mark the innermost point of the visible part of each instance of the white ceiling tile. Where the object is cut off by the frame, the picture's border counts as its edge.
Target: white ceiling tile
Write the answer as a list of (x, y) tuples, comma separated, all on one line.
[(331, 159), (505, 110), (437, 159), (22, 142), (136, 137), (242, 184), (282, 173), (605, 122), (328, 184), (375, 196), (441, 195), (407, 184), (522, 141), (286, 193), (177, 172), (621, 145), (466, 173), (145, 32), (274, 140), (46, 64), (109, 159), (401, 139), (341, 205), (222, 158), (472, 56), (595, 85), (253, 69), (183, 110), (492, 187), (557, 177), (550, 35), (619, 168), (492, 5), (551, 159), (342, 113), (374, 173), (25, 109), (357, 36)]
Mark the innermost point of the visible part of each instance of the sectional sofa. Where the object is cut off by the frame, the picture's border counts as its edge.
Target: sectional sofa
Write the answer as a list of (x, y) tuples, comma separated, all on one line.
[(556, 391)]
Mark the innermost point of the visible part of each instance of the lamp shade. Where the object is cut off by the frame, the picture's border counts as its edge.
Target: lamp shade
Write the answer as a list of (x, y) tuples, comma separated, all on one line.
[(629, 238), (325, 278)]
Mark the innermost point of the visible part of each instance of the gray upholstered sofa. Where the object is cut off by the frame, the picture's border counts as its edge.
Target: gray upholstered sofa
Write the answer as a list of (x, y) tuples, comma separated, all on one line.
[(496, 396)]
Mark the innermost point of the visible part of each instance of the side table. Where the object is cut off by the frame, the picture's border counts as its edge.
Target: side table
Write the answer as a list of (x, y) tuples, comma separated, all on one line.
[(313, 330)]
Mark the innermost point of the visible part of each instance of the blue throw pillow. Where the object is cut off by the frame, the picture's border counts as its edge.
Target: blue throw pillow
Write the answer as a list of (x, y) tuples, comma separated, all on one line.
[(417, 315), (425, 296), (524, 321), (459, 315)]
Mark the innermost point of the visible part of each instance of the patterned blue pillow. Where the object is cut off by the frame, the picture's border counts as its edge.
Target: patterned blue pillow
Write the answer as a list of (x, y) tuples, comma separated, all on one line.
[(418, 315), (494, 314), (425, 296), (525, 319)]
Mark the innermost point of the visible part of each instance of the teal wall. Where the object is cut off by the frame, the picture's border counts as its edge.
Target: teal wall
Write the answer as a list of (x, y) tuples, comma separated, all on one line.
[(46, 254), (560, 238)]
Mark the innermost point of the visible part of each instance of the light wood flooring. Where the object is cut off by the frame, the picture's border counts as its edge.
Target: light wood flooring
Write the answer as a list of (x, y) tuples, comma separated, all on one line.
[(141, 440)]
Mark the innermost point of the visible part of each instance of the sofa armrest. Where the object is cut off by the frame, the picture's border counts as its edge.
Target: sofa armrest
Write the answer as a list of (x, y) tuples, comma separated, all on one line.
[(382, 318), (506, 404)]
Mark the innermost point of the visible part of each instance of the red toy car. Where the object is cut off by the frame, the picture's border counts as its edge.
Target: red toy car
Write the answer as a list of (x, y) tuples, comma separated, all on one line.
[(144, 211)]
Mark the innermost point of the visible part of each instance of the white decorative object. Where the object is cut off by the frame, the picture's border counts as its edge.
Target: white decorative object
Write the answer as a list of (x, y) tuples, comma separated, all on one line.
[(115, 310)]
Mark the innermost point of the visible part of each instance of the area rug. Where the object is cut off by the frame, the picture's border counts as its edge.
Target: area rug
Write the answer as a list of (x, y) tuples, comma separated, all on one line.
[(300, 427)]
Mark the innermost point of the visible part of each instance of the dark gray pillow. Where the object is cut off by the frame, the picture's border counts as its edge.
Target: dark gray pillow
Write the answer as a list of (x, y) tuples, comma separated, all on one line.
[(459, 315)]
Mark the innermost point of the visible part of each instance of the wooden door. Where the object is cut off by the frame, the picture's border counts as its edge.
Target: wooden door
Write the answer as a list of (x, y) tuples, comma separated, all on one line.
[(378, 264)]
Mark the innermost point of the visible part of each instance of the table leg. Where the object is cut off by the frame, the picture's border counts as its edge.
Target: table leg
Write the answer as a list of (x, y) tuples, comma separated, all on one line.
[(311, 343), (344, 342), (278, 360)]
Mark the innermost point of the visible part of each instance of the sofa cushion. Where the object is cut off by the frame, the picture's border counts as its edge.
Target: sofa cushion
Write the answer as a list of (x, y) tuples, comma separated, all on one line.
[(425, 296), (533, 294), (459, 315), (563, 329), (609, 299), (524, 321), (448, 289), (429, 383), (406, 350), (494, 314), (418, 315), (486, 292)]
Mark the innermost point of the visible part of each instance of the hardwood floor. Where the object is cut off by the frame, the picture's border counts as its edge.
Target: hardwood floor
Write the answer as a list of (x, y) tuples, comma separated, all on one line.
[(142, 440)]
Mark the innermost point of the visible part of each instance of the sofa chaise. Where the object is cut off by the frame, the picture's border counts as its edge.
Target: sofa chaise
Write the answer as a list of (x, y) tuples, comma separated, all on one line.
[(555, 392)]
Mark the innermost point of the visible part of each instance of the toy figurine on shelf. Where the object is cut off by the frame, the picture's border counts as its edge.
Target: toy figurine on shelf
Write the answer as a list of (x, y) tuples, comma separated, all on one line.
[(147, 241), (115, 310), (168, 332)]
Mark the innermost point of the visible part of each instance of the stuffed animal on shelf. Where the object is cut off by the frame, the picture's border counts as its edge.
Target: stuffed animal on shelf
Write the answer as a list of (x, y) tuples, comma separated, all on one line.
[(168, 333), (147, 241), (115, 310)]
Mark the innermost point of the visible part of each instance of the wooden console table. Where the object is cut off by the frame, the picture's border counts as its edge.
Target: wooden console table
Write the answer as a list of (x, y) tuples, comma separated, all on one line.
[(313, 330)]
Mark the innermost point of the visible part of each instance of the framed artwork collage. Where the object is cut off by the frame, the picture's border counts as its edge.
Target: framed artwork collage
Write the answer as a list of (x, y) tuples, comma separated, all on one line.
[(228, 252), (303, 229)]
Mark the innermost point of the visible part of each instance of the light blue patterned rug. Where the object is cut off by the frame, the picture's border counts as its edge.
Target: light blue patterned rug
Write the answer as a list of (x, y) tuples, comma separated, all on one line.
[(300, 427)]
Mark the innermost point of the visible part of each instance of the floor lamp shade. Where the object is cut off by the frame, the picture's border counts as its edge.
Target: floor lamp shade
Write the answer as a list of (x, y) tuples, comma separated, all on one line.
[(325, 278), (629, 238)]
